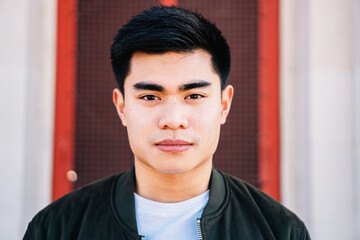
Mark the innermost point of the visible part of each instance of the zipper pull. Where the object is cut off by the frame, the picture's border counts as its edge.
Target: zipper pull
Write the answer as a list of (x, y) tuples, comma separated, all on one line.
[(198, 227)]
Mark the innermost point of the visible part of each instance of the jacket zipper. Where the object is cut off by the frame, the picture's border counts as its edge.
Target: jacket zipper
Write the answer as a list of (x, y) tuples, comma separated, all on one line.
[(198, 227)]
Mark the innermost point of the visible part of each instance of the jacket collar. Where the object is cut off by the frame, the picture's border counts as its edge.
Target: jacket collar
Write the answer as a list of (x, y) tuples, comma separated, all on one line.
[(217, 196), (124, 201)]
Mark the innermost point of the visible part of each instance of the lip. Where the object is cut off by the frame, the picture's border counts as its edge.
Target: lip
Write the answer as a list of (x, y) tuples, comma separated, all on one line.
[(173, 145)]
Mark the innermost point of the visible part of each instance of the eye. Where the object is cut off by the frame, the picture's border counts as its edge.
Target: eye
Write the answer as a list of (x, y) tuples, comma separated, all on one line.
[(149, 98), (194, 96)]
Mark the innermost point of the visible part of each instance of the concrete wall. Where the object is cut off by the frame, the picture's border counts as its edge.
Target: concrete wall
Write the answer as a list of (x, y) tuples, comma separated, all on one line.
[(27, 65), (320, 114)]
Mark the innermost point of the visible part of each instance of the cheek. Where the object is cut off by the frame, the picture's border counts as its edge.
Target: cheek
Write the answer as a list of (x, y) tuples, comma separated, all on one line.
[(139, 121), (138, 131), (209, 113), (207, 119), (208, 131)]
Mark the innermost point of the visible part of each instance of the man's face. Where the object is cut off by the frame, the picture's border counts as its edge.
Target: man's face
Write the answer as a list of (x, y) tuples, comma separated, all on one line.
[(173, 109)]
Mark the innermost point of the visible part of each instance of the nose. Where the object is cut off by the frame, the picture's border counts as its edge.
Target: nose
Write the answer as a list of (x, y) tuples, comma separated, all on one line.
[(173, 116)]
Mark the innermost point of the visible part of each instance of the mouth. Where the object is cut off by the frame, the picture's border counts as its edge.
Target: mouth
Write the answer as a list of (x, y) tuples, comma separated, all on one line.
[(173, 145)]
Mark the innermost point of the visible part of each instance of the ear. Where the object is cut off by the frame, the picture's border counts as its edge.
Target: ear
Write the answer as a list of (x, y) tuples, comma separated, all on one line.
[(227, 95), (118, 99)]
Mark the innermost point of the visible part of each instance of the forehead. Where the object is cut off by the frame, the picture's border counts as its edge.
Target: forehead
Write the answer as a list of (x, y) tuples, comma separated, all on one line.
[(171, 68)]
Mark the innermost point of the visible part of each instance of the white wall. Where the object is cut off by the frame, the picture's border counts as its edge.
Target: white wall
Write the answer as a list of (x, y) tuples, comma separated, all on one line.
[(27, 73), (320, 114), (356, 92)]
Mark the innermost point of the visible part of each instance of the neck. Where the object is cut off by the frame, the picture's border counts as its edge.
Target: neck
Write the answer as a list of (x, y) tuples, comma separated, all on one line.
[(169, 188)]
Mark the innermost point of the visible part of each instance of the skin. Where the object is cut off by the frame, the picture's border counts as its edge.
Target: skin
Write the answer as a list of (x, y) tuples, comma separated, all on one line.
[(173, 110)]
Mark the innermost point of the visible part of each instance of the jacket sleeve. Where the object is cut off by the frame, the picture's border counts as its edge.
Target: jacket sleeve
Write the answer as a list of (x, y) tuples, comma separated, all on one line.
[(34, 232), (306, 235), (28, 233)]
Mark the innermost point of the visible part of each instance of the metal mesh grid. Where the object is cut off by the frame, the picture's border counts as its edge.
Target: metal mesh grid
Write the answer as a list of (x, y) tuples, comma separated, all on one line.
[(101, 145)]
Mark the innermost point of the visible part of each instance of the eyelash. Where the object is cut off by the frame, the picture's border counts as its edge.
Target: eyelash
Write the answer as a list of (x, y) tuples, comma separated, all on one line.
[(153, 98), (196, 95)]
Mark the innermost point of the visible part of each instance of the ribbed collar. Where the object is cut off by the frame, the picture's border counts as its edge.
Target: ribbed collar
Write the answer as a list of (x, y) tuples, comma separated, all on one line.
[(124, 202)]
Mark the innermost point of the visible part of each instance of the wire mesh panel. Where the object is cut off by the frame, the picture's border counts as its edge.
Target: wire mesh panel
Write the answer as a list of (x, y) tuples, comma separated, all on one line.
[(101, 147)]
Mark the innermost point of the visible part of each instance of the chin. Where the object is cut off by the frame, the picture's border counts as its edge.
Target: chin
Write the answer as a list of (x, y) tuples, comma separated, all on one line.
[(174, 170)]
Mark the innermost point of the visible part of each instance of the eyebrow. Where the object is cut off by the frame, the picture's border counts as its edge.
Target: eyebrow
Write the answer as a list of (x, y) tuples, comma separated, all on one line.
[(159, 88), (199, 84), (148, 86)]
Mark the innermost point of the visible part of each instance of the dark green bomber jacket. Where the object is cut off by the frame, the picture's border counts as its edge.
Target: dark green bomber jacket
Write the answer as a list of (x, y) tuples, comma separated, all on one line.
[(105, 210)]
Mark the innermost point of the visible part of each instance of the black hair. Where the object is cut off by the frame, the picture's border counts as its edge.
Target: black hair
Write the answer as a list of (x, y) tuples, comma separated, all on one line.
[(162, 29)]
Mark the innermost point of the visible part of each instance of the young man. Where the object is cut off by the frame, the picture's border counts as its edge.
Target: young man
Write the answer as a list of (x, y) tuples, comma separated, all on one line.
[(171, 66)]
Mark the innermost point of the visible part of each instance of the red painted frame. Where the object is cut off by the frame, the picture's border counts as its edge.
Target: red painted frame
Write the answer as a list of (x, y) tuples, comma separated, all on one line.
[(169, 2), (269, 129), (65, 97)]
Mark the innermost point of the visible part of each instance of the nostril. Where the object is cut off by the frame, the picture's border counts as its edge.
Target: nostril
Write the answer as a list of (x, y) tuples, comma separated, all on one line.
[(173, 124)]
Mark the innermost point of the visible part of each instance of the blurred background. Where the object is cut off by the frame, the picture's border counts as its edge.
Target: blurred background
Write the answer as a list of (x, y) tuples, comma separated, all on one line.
[(293, 131)]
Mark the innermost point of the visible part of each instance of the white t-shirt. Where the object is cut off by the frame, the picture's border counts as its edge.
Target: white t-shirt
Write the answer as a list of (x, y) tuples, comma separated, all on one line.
[(158, 221)]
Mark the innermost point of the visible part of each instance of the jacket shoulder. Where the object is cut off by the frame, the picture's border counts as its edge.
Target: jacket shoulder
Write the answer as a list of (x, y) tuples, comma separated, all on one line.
[(85, 204), (94, 192), (265, 209)]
